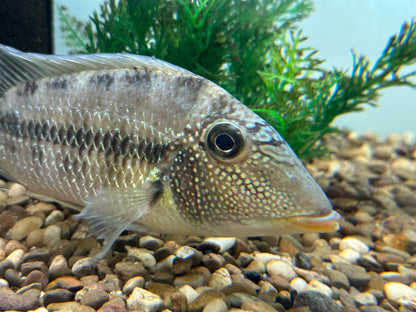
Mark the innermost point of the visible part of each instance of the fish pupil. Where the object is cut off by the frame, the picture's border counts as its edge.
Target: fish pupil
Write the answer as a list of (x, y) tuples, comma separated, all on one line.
[(224, 142)]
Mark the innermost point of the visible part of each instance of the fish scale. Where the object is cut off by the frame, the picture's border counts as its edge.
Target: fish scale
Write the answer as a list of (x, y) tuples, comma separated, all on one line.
[(139, 143)]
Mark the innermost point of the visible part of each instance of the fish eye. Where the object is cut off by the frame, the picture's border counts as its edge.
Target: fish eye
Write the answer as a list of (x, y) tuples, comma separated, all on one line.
[(225, 141)]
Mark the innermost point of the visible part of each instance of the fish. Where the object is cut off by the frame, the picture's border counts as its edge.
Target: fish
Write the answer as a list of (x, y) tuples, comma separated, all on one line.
[(134, 142)]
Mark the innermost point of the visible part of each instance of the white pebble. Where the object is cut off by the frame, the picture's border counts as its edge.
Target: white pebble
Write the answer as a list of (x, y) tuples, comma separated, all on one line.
[(365, 298), (185, 252), (220, 279), (397, 292), (320, 287), (355, 244), (190, 293), (350, 254), (224, 243), (298, 284), (265, 257), (143, 300), (281, 268)]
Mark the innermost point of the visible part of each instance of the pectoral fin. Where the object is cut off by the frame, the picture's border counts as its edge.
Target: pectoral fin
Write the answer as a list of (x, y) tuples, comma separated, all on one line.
[(111, 211)]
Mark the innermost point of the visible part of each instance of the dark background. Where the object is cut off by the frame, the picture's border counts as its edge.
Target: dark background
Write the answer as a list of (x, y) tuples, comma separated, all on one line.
[(27, 25)]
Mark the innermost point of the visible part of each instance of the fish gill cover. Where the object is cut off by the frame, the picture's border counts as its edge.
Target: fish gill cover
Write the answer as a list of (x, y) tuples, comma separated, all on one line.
[(255, 50)]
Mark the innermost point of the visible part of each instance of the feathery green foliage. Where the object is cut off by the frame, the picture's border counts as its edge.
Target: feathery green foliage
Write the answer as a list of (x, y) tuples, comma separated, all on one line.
[(252, 49)]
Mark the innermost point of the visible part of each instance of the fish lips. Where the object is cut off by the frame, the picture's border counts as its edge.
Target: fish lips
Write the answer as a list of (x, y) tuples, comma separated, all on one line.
[(313, 223)]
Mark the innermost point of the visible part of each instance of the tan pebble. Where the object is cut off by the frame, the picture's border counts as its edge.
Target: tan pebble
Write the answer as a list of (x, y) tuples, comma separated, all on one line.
[(52, 236), (268, 292), (309, 238), (391, 276), (35, 238), (257, 306), (216, 305), (397, 241), (17, 190), (24, 226), (220, 279), (137, 281)]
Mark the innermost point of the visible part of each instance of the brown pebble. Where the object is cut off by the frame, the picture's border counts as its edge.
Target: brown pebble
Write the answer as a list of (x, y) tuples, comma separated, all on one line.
[(181, 266), (36, 276), (176, 301), (213, 261), (279, 282), (94, 298), (69, 283), (112, 307), (203, 299)]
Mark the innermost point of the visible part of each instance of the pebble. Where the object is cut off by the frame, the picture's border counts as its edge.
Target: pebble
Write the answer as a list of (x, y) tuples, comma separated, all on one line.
[(316, 302), (16, 190), (24, 226), (223, 243), (320, 287), (220, 279), (365, 298), (190, 293), (137, 281), (18, 302), (181, 265), (193, 280), (357, 276), (58, 267), (143, 255), (280, 268), (94, 298), (176, 301), (216, 305), (397, 292), (150, 242), (338, 279), (204, 299), (143, 300), (84, 266), (57, 295), (354, 244), (298, 284)]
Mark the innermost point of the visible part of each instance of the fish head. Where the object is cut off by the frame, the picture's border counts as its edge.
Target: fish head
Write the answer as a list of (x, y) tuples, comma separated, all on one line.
[(236, 176)]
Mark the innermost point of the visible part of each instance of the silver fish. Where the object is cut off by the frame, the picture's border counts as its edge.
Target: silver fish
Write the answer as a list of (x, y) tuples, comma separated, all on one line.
[(137, 142)]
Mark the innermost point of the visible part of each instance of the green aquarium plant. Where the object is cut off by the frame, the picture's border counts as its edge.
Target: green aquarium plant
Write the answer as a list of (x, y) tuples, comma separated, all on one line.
[(253, 49)]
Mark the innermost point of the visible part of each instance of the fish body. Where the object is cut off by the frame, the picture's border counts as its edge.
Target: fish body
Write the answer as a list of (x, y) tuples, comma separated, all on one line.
[(133, 140)]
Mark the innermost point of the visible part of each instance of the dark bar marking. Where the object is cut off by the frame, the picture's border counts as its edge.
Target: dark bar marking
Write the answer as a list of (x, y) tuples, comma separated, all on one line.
[(112, 143)]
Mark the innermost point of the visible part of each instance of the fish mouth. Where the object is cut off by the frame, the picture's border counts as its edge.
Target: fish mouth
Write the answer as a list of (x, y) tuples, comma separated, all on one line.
[(321, 223)]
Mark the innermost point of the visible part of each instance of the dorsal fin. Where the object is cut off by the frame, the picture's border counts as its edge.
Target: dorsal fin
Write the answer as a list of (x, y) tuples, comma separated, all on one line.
[(17, 67)]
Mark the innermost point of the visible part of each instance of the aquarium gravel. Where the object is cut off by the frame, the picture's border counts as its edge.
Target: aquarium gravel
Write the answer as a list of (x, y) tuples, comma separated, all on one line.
[(46, 261)]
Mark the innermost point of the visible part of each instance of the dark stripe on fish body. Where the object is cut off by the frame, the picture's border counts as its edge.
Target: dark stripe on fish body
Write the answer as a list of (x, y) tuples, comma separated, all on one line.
[(82, 138)]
